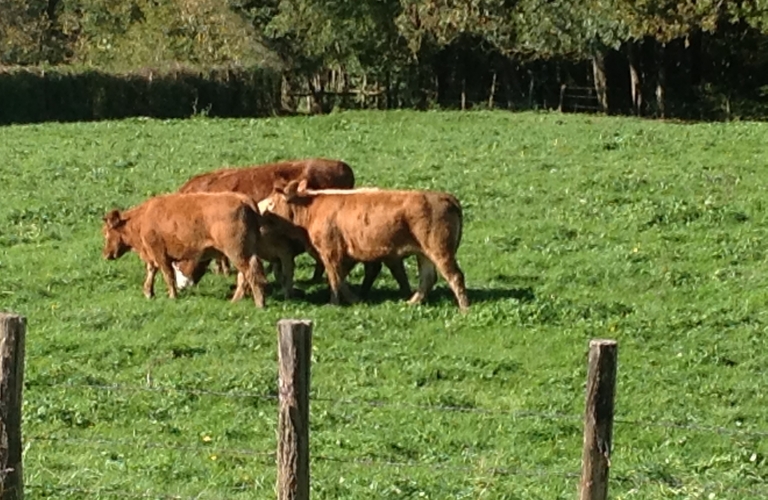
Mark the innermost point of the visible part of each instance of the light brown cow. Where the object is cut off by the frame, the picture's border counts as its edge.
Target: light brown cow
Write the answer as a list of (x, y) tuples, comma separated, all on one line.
[(257, 182), (369, 225), (279, 243), (189, 227)]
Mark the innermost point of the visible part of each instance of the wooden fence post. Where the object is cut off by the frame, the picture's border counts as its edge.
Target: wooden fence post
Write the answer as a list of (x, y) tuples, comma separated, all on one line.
[(12, 330), (294, 354), (598, 420)]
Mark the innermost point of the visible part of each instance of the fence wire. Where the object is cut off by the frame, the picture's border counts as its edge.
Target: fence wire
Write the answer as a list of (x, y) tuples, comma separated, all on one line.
[(166, 389), (136, 444), (495, 471), (368, 462), (109, 492), (514, 414), (637, 480), (341, 401), (450, 408), (693, 427)]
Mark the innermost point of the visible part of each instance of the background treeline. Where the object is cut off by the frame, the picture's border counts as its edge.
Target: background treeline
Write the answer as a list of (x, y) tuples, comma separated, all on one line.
[(701, 59)]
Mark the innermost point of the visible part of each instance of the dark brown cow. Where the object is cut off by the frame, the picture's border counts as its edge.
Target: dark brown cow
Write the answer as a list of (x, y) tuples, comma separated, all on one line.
[(258, 181), (370, 225), (190, 227)]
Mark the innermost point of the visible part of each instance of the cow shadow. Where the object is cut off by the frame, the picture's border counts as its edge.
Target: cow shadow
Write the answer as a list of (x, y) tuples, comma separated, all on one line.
[(320, 295)]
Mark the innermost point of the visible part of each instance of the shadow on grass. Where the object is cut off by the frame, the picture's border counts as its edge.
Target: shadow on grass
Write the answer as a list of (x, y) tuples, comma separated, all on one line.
[(320, 295)]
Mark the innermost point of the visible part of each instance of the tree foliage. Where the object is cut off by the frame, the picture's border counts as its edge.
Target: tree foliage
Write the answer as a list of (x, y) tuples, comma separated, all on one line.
[(375, 39)]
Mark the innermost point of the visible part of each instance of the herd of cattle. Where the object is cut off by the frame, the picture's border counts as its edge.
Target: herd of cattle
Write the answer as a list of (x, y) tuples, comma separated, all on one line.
[(242, 216)]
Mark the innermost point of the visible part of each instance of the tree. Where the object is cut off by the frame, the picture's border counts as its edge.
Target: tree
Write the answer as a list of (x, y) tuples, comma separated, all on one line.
[(29, 33), (136, 33), (315, 37), (663, 21)]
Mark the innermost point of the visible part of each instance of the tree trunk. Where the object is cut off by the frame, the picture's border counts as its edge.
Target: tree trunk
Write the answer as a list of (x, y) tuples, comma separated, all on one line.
[(562, 88), (287, 101), (601, 80), (463, 93), (636, 85), (315, 99), (493, 91), (531, 84), (661, 80)]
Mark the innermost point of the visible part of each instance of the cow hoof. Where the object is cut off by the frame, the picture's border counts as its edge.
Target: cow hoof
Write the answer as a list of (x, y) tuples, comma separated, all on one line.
[(416, 299)]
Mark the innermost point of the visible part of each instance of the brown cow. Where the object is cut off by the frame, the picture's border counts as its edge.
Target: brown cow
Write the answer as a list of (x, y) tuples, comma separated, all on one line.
[(257, 182), (279, 243), (189, 227), (369, 225)]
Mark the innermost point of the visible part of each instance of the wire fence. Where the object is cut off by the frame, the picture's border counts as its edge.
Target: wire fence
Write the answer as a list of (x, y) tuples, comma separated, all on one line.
[(513, 414), (636, 478)]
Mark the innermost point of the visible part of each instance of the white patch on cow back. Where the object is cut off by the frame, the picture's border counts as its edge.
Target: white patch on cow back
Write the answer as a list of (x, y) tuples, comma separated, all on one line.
[(182, 281), (341, 191)]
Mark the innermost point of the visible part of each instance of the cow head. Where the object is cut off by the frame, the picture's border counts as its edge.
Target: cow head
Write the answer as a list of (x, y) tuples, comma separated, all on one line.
[(282, 197), (115, 245)]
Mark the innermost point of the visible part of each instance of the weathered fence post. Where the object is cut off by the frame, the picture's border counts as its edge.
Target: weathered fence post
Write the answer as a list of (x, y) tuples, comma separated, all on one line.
[(598, 420), (294, 353), (12, 330)]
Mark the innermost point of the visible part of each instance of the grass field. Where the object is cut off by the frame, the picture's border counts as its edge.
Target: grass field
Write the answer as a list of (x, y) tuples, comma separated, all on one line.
[(576, 227)]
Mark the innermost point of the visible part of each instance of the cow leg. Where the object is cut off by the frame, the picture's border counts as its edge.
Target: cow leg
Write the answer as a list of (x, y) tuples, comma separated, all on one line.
[(221, 266), (276, 268), (317, 274), (427, 278), (170, 280), (396, 266), (250, 272), (285, 279), (346, 292), (333, 270), (452, 273), (256, 280), (240, 288), (159, 257), (149, 281), (372, 271)]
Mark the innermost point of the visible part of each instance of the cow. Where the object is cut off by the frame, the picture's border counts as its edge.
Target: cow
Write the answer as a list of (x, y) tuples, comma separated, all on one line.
[(377, 225), (279, 243), (190, 228), (257, 182)]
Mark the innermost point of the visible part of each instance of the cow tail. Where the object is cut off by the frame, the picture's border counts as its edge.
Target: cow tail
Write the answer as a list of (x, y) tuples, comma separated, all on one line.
[(253, 220)]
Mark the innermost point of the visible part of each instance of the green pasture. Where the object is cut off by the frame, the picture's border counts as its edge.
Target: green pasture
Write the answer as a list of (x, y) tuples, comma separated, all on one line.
[(576, 227)]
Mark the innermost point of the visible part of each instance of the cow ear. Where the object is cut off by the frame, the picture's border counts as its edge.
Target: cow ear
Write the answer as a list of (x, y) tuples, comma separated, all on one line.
[(302, 187), (291, 191), (113, 219)]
